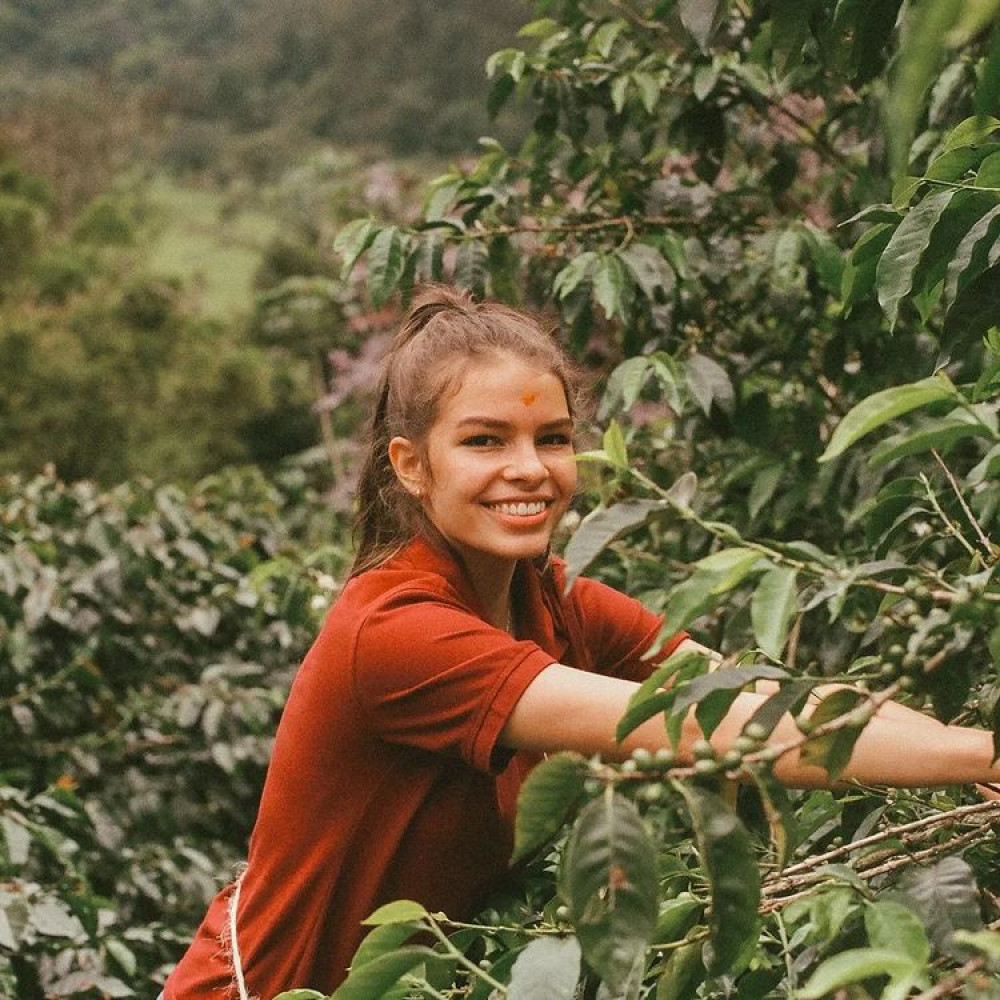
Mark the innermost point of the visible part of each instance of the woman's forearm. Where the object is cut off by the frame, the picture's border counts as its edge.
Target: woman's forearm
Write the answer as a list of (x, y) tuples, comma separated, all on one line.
[(569, 709)]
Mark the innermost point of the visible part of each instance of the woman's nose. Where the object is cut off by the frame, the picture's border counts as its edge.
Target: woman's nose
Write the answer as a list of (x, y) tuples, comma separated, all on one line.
[(526, 463)]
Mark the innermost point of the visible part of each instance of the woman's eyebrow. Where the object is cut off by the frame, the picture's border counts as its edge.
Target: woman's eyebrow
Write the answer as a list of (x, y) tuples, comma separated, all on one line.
[(563, 423)]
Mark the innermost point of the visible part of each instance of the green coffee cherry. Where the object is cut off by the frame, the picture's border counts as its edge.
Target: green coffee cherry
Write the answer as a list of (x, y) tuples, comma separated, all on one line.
[(703, 750), (755, 731), (705, 766), (643, 758), (664, 758)]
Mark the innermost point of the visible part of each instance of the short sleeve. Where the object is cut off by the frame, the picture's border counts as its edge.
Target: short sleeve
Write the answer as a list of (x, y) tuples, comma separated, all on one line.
[(432, 675), (619, 631)]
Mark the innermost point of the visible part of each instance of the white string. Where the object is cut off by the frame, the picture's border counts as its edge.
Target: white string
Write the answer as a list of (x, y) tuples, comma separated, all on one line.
[(234, 948)]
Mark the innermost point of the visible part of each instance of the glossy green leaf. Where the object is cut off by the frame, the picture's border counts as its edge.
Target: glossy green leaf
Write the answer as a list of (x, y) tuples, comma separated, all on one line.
[(726, 853), (788, 699), (545, 799), (385, 939), (548, 969), (386, 262), (881, 407), (301, 995), (609, 880), (649, 700), (894, 275), (972, 254), (832, 751), (352, 241), (601, 527), (853, 966), (376, 977), (941, 434), (772, 609), (677, 917), (398, 912), (649, 268), (789, 31)]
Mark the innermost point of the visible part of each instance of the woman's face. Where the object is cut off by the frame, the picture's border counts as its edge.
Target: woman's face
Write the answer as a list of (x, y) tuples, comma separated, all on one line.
[(497, 471)]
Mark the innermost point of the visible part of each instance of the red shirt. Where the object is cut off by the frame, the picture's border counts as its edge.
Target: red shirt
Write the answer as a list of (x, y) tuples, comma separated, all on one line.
[(386, 781)]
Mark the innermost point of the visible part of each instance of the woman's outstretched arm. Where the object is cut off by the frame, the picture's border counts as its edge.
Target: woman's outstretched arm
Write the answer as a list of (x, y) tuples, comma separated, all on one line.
[(569, 709)]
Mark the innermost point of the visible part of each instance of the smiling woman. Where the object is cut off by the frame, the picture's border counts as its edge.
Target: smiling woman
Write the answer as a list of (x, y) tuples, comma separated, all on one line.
[(455, 657)]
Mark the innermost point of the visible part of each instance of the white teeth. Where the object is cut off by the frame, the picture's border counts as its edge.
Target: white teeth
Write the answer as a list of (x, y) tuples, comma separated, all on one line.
[(519, 509)]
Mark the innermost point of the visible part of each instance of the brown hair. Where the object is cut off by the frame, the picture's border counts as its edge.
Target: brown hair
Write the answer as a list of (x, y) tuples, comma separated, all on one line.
[(441, 333)]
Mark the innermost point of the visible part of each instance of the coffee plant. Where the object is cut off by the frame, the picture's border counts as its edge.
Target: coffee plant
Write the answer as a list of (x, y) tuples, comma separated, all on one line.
[(148, 638), (774, 228)]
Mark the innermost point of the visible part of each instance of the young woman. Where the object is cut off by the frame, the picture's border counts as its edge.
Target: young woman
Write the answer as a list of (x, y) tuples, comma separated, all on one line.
[(452, 660)]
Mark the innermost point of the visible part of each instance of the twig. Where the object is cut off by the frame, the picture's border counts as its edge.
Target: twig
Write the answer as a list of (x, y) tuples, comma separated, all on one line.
[(955, 982), (991, 550), (953, 816)]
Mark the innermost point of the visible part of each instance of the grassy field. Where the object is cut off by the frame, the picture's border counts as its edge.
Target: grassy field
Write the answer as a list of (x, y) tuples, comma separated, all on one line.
[(215, 246)]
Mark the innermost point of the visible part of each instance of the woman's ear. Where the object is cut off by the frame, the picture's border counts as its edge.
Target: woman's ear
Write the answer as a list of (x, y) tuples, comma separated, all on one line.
[(408, 465)]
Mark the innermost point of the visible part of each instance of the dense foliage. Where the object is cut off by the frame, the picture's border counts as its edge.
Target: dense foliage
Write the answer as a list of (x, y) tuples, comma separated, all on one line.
[(148, 640), (779, 223)]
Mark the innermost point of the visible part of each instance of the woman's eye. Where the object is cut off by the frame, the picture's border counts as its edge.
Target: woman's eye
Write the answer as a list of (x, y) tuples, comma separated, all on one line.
[(481, 440), (556, 440)]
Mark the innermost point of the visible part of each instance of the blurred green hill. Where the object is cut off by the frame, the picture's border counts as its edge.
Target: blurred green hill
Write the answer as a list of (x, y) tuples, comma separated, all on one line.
[(233, 86)]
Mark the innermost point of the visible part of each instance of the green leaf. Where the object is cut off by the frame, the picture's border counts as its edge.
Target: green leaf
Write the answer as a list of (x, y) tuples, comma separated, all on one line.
[(730, 679), (945, 897), (701, 18), (682, 974), (896, 927), (624, 385), (941, 434), (614, 446), (971, 132), (974, 312), (709, 383), (385, 939), (881, 407), (608, 878), (832, 751), (399, 912), (472, 266), (649, 700), (772, 609), (778, 811), (611, 286), (972, 254), (728, 567), (376, 977), (579, 269), (788, 699), (548, 969), (601, 527), (925, 29), (352, 241), (548, 794), (854, 965), (648, 86), (603, 39), (894, 275), (789, 31), (649, 268), (726, 853), (677, 917), (386, 262), (301, 995)]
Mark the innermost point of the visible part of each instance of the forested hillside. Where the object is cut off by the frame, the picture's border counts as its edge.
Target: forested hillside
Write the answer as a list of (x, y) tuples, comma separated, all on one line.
[(241, 87)]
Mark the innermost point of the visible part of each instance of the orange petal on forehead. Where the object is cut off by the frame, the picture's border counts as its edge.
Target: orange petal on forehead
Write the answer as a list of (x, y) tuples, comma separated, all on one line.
[(528, 398)]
